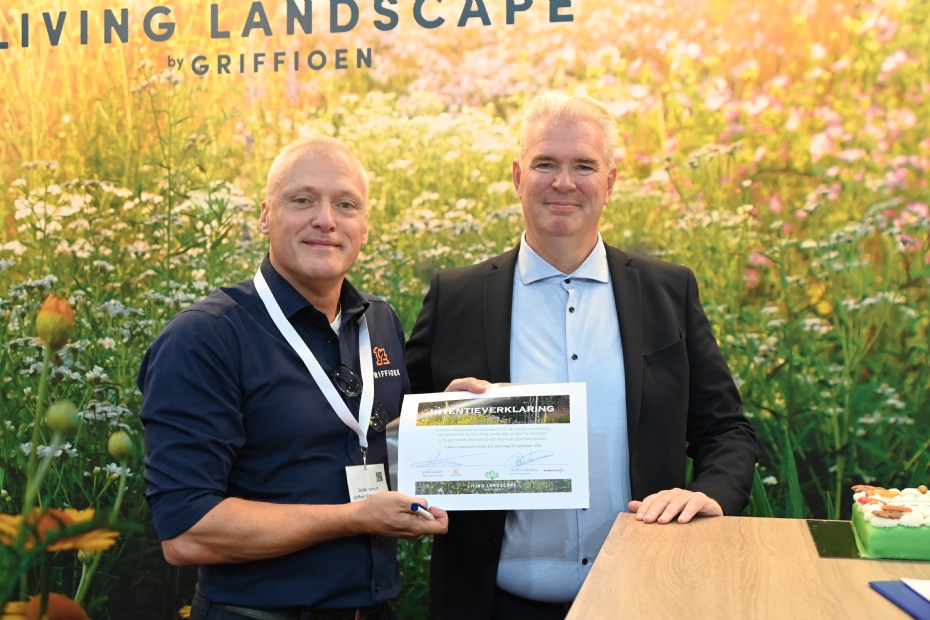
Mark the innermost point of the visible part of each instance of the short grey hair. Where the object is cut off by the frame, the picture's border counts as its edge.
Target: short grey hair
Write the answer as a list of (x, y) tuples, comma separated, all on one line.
[(578, 108), (316, 143)]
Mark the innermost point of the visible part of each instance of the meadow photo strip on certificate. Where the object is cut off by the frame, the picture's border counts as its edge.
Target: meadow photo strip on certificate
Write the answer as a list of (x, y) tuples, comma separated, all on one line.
[(512, 448)]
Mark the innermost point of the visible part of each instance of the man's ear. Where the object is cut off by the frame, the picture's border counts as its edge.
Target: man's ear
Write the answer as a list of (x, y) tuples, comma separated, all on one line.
[(263, 224), (611, 178), (517, 175)]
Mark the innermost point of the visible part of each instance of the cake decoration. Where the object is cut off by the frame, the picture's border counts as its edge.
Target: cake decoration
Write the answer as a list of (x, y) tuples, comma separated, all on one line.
[(892, 523)]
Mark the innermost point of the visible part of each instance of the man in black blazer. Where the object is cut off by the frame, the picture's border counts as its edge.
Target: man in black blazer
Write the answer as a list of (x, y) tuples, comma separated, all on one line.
[(680, 395)]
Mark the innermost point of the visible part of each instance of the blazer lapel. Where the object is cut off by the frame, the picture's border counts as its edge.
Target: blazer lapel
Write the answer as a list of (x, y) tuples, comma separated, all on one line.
[(625, 282), (498, 309)]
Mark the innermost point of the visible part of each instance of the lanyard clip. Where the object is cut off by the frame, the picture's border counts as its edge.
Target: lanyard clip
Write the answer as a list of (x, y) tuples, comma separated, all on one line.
[(365, 457)]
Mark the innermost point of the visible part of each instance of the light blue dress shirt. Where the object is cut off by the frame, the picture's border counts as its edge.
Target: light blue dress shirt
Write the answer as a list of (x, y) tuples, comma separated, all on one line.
[(547, 554)]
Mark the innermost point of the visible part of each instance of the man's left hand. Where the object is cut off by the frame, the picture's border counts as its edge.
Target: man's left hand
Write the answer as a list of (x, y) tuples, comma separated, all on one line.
[(663, 506)]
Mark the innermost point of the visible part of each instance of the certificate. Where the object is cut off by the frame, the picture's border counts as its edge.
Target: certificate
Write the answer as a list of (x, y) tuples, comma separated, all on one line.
[(512, 448)]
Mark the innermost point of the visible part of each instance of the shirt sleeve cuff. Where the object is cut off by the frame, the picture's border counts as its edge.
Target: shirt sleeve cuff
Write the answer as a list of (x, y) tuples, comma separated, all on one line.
[(176, 512)]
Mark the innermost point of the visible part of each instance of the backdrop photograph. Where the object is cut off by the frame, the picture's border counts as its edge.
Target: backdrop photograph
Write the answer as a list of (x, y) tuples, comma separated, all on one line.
[(780, 150)]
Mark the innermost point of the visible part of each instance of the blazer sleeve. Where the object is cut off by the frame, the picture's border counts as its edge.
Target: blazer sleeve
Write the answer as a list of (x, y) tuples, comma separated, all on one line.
[(721, 440), (419, 346)]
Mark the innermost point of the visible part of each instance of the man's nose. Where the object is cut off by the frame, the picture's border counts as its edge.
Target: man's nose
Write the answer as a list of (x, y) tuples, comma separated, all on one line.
[(324, 218), (563, 180)]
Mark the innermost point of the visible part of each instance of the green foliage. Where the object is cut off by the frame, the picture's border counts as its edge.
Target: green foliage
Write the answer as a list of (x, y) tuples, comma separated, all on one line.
[(795, 507), (413, 556), (792, 180), (758, 501)]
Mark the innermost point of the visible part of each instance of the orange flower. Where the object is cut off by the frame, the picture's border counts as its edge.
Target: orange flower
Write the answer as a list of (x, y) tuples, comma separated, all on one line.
[(53, 520), (55, 321), (60, 607)]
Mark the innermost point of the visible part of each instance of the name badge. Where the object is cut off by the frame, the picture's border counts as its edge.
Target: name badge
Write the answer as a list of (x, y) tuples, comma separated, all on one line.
[(365, 481)]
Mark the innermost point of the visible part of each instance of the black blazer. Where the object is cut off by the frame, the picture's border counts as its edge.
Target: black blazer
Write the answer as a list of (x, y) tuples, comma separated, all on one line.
[(680, 399)]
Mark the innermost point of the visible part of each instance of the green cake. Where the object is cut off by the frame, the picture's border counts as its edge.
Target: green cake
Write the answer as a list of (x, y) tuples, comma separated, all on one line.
[(892, 524)]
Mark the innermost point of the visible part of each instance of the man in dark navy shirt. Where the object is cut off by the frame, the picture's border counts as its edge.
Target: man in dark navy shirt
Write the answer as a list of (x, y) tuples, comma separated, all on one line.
[(247, 457)]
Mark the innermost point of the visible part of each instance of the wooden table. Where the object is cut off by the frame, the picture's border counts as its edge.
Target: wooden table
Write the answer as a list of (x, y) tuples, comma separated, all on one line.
[(731, 567)]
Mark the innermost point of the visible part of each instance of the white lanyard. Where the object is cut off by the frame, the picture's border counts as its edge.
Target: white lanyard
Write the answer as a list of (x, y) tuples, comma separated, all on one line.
[(316, 371)]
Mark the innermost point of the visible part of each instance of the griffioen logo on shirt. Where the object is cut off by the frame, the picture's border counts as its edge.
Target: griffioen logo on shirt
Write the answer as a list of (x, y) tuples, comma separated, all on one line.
[(381, 358)]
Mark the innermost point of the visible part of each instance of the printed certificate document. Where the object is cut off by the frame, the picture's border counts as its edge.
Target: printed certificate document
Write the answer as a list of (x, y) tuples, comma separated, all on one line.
[(512, 448)]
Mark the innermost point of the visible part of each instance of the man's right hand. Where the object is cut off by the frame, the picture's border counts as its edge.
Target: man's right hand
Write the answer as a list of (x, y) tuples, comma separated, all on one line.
[(469, 384), (388, 514)]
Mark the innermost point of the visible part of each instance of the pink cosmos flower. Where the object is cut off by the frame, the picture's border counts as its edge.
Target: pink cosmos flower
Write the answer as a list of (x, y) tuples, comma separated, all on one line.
[(893, 62), (758, 259), (716, 94), (821, 145), (908, 243), (757, 105), (851, 155), (903, 118), (775, 204), (751, 277), (896, 178), (919, 209)]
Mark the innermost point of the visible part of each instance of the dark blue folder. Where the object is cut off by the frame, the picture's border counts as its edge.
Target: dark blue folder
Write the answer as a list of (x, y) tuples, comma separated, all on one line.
[(905, 598)]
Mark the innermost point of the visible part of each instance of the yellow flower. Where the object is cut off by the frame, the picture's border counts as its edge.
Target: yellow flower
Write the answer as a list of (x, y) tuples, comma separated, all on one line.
[(817, 291), (55, 321), (185, 612), (53, 520), (14, 611)]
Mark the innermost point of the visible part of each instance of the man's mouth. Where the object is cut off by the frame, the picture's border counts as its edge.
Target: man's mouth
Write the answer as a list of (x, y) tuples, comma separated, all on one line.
[(320, 243), (562, 205)]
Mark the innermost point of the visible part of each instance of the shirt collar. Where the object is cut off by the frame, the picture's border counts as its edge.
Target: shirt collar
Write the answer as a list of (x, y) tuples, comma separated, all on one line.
[(532, 267), (291, 302)]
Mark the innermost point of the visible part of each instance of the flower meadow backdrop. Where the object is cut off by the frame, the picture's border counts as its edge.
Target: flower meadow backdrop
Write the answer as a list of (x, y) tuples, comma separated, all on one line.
[(781, 151)]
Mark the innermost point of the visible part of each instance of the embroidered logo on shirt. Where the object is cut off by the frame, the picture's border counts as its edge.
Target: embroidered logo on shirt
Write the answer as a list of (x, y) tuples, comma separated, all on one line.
[(381, 358)]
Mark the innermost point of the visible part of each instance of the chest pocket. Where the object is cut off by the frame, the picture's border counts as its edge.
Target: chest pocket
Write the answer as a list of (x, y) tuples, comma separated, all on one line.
[(667, 352)]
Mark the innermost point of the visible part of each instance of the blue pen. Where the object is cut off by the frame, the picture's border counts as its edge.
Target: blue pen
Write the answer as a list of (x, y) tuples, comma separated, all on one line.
[(422, 511)]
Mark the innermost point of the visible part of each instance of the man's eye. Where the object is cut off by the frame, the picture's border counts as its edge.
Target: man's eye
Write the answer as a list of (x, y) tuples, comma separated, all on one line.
[(586, 168), (545, 166), (345, 205)]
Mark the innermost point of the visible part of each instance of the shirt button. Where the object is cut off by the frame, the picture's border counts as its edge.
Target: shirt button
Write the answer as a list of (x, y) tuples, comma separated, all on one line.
[(375, 537), (568, 280), (329, 341), (584, 561), (574, 356), (571, 308), (378, 588)]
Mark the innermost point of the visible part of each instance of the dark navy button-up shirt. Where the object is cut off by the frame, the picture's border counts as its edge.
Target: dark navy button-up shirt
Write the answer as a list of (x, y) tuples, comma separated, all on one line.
[(230, 410)]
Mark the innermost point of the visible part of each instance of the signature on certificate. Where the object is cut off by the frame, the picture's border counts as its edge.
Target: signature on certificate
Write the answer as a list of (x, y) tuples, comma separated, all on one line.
[(444, 462), (519, 459)]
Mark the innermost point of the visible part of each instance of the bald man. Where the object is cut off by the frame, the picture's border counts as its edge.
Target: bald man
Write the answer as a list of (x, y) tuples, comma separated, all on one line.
[(264, 411)]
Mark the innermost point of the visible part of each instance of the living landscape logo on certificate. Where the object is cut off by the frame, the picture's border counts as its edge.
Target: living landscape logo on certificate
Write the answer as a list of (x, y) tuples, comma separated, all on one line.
[(512, 448)]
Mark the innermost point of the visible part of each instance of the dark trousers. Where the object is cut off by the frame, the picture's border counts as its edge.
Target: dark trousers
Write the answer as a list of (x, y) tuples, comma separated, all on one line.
[(201, 609), (508, 606)]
